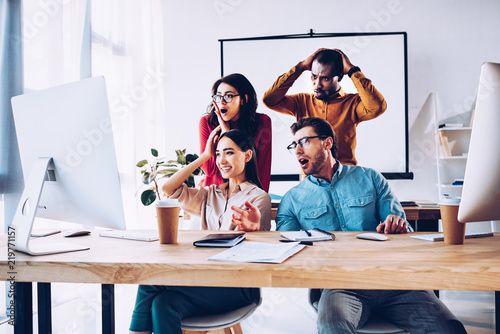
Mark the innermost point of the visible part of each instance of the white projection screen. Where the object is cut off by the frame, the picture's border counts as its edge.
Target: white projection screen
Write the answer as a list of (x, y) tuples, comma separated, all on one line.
[(382, 57)]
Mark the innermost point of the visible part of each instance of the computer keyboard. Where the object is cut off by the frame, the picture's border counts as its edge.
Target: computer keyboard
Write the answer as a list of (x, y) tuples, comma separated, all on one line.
[(439, 236)]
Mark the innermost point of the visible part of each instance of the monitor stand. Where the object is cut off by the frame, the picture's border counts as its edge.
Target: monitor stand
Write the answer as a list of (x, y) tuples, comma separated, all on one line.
[(26, 213)]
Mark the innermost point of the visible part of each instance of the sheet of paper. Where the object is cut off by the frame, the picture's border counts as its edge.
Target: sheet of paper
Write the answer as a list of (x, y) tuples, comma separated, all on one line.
[(251, 251)]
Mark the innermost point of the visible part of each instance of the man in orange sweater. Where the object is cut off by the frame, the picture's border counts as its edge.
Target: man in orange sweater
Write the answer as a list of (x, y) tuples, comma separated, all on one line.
[(328, 101)]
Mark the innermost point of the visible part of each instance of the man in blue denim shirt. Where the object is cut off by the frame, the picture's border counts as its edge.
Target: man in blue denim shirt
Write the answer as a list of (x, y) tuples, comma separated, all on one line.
[(336, 197)]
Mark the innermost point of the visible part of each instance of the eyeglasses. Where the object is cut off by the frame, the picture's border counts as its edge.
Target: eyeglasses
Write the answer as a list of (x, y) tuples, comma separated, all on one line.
[(303, 142), (228, 98)]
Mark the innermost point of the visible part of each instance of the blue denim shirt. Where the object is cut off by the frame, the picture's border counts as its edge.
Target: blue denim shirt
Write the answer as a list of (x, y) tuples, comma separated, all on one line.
[(357, 199)]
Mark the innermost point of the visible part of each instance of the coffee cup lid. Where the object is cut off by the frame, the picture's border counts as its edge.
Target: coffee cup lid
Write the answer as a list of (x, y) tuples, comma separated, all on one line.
[(450, 200), (167, 203)]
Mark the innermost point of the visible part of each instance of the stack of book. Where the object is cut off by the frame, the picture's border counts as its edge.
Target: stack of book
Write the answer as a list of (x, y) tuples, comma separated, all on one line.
[(419, 203)]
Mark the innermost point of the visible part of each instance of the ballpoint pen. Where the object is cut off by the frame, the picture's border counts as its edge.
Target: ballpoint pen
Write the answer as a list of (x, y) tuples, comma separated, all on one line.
[(307, 232)]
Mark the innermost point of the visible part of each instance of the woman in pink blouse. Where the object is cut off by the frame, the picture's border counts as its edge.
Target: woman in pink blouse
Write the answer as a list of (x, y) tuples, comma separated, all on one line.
[(234, 106), (239, 204)]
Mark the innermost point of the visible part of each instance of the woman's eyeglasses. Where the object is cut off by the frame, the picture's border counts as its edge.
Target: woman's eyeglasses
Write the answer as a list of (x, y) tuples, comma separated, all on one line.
[(303, 142), (228, 98)]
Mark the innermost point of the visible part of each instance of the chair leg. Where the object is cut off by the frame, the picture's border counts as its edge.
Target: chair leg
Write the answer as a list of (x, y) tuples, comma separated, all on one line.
[(237, 329)]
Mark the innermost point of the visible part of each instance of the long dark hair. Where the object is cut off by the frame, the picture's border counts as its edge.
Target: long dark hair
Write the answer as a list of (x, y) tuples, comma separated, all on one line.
[(240, 139), (247, 121)]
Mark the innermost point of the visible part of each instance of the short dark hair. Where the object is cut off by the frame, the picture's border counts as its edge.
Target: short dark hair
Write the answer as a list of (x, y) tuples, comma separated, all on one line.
[(333, 58), (320, 126), (245, 144)]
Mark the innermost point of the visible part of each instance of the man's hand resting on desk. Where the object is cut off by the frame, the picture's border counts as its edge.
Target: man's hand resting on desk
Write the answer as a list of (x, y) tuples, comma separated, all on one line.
[(246, 220), (393, 224)]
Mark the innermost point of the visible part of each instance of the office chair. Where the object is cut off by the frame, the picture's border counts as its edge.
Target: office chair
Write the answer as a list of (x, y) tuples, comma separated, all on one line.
[(374, 325), (229, 322)]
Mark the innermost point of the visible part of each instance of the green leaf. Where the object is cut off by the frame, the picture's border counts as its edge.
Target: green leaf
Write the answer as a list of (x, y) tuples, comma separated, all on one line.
[(169, 164), (148, 177), (181, 159), (148, 197), (168, 171), (142, 163), (154, 152)]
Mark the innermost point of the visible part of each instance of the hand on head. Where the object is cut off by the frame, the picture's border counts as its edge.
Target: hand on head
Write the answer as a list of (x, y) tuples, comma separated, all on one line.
[(305, 65), (392, 225), (212, 142), (345, 61), (246, 220)]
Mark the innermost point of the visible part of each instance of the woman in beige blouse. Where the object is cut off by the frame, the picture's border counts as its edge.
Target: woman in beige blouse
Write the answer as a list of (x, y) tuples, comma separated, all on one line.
[(240, 204)]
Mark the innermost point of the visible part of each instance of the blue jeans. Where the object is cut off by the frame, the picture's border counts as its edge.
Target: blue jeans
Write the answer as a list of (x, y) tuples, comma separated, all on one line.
[(344, 311), (161, 308)]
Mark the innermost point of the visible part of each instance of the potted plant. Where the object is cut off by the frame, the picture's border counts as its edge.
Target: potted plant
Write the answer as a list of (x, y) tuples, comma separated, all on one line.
[(156, 169)]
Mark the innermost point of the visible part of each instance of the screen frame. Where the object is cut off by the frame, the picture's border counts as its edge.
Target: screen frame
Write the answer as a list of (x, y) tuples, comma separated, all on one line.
[(388, 175)]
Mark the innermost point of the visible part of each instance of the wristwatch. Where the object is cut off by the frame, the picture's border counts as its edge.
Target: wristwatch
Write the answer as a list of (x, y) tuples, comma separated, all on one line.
[(352, 70)]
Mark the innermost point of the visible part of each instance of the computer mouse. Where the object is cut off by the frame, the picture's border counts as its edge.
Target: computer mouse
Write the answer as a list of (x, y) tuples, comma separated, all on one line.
[(372, 236), (76, 233)]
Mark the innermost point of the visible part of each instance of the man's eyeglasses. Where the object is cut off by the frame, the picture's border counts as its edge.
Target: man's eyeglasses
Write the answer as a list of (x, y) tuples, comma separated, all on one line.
[(303, 142), (228, 98)]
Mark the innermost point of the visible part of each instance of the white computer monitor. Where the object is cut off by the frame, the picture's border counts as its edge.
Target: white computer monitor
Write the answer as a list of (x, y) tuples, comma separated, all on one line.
[(68, 157), (481, 191)]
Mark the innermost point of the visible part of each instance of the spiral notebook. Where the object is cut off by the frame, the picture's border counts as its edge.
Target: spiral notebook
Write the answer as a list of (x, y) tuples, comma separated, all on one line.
[(308, 235)]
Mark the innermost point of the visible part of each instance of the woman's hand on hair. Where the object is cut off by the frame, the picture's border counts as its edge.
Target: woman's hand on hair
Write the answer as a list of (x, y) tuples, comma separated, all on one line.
[(224, 126), (212, 142), (246, 220)]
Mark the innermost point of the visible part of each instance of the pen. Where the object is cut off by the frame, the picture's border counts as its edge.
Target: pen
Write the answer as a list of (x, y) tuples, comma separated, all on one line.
[(307, 232), (308, 243)]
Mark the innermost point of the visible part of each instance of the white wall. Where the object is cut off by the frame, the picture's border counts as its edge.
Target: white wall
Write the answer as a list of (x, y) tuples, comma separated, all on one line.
[(447, 43)]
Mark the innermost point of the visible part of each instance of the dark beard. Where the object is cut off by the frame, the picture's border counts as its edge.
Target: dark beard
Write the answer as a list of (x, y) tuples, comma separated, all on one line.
[(320, 160)]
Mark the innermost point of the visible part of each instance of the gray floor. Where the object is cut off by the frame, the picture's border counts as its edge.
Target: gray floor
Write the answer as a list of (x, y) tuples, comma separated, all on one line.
[(76, 309)]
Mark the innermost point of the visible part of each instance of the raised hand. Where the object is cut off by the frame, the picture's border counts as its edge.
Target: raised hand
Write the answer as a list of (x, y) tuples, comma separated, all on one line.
[(212, 142), (305, 65), (224, 126), (246, 220), (345, 61)]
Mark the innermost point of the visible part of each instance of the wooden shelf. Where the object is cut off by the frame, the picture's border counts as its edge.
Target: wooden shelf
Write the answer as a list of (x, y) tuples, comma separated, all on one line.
[(465, 128)]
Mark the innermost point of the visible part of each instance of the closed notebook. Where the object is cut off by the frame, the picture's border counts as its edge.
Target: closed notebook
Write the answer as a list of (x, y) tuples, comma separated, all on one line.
[(316, 235), (228, 239)]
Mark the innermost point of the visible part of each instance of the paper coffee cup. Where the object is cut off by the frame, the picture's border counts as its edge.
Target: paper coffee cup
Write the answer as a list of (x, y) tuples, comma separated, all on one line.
[(453, 230), (167, 212)]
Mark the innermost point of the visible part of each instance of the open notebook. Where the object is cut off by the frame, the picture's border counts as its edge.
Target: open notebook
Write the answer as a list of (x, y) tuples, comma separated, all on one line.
[(309, 235)]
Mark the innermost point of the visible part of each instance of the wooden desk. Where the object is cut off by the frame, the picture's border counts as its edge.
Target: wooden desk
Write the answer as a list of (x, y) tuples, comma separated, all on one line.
[(421, 219), (349, 263)]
